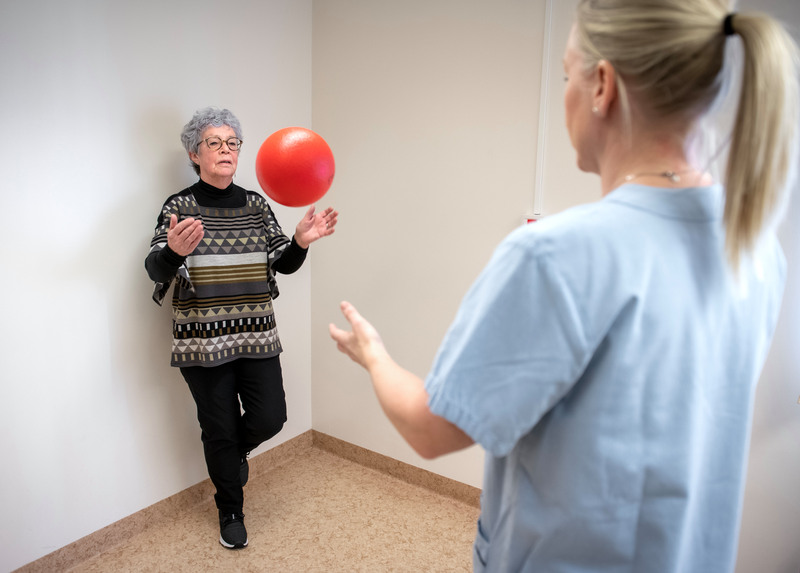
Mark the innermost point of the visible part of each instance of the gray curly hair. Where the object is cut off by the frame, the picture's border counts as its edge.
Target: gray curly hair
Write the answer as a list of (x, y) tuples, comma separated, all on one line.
[(192, 133)]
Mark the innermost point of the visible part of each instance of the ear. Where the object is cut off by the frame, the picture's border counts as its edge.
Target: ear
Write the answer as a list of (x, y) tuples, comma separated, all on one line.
[(604, 91), (194, 157)]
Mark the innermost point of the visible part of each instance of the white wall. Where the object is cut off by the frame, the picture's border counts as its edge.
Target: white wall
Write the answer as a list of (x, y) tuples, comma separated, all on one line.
[(94, 424), (432, 111)]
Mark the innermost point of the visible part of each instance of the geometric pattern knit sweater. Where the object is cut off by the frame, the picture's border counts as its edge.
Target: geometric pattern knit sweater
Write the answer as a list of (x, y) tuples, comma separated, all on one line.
[(222, 300)]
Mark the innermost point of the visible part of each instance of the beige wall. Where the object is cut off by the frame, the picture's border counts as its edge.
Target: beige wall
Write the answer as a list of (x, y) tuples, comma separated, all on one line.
[(431, 109)]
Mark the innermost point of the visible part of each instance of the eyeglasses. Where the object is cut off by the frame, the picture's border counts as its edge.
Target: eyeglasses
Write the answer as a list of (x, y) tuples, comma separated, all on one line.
[(214, 143)]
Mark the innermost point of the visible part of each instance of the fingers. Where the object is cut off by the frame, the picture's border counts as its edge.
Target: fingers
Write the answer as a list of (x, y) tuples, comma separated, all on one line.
[(337, 333), (363, 332), (331, 218), (343, 341), (184, 236), (350, 313), (183, 225), (363, 345), (189, 233), (194, 239), (342, 337)]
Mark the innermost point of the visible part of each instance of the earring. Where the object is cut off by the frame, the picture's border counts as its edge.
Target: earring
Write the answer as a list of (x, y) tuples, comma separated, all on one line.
[(595, 110)]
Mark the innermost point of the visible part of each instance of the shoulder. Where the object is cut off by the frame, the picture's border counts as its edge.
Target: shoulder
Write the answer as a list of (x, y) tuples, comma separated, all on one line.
[(567, 237), (178, 197), (626, 221), (260, 202), (583, 255), (176, 203), (254, 196)]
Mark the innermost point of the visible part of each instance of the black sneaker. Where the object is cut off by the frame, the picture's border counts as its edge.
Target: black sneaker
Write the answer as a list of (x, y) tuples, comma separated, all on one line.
[(244, 469), (232, 533)]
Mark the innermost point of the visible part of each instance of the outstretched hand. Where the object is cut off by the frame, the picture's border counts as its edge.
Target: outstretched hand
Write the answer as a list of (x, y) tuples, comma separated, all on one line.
[(363, 345), (184, 237), (313, 226), (402, 395)]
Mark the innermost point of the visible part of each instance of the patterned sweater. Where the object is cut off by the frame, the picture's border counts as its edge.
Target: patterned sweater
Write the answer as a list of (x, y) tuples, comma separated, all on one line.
[(222, 300)]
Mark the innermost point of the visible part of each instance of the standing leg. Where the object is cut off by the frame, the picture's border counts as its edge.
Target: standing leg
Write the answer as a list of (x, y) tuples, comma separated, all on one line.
[(218, 411)]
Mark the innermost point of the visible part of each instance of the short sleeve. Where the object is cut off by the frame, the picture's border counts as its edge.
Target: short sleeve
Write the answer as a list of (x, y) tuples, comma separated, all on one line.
[(515, 348)]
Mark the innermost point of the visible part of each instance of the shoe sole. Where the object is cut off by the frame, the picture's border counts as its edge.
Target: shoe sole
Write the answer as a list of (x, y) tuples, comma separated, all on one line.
[(227, 545)]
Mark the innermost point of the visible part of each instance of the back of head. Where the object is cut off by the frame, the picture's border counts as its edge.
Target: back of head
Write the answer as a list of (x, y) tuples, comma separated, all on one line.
[(671, 55)]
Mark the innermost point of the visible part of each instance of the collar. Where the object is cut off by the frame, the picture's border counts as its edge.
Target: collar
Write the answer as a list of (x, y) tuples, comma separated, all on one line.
[(689, 204)]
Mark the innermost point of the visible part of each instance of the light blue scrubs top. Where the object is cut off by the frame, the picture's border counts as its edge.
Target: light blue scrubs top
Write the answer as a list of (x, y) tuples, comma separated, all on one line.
[(606, 359)]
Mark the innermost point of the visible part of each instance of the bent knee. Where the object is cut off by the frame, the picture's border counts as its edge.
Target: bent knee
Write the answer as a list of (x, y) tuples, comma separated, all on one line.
[(268, 428)]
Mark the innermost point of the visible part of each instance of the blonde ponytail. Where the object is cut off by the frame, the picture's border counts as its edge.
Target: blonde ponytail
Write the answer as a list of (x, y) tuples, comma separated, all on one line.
[(670, 53), (763, 150)]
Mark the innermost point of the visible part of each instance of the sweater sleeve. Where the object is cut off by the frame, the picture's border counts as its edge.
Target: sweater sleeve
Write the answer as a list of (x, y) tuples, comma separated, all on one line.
[(291, 259), (163, 264)]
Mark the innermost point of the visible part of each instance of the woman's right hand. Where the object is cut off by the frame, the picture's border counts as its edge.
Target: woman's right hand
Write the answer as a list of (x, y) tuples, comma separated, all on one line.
[(363, 344), (184, 237)]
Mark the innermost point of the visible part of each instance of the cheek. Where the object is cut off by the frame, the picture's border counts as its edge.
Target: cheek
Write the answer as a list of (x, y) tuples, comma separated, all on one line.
[(577, 125), (570, 107)]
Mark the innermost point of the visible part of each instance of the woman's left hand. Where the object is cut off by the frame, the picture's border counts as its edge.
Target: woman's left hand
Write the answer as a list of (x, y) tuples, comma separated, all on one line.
[(314, 226)]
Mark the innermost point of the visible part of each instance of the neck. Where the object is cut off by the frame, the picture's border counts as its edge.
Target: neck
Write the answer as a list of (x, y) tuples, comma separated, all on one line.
[(644, 149), (220, 183), (652, 160)]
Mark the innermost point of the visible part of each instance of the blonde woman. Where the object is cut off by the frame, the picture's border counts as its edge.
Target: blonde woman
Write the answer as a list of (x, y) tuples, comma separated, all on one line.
[(606, 358)]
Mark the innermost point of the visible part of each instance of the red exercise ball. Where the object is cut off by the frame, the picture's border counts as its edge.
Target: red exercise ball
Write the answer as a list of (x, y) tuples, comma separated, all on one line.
[(295, 166)]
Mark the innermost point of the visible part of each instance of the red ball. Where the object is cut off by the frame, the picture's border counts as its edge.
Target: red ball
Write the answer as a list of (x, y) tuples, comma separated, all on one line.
[(295, 166)]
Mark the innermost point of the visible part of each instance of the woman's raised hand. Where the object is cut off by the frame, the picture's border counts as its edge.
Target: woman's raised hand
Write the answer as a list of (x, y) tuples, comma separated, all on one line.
[(313, 226), (184, 237)]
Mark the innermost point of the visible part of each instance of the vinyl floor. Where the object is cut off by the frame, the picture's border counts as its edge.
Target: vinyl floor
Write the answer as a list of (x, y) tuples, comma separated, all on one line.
[(319, 513)]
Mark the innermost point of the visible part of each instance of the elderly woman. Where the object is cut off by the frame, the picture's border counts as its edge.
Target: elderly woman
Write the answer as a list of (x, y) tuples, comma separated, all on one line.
[(221, 245)]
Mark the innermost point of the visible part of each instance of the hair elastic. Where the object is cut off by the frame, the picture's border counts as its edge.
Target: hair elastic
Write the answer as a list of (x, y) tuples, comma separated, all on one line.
[(727, 24)]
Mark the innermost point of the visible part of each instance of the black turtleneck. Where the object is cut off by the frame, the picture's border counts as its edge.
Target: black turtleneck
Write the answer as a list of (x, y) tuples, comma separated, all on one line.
[(163, 264)]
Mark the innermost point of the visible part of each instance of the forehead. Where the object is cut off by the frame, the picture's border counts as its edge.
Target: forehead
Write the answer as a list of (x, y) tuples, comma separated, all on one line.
[(221, 131)]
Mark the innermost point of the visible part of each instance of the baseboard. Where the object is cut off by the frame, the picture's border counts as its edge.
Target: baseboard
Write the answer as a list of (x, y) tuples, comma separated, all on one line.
[(401, 470), (104, 539)]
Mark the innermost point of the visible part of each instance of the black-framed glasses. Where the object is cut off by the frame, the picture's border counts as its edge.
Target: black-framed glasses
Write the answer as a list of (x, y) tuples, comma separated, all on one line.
[(214, 143)]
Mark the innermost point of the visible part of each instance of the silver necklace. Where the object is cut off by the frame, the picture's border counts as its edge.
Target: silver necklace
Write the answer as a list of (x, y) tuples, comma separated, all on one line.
[(671, 175)]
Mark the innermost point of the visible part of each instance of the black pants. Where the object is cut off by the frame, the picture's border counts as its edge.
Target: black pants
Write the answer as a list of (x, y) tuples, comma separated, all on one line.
[(227, 434)]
